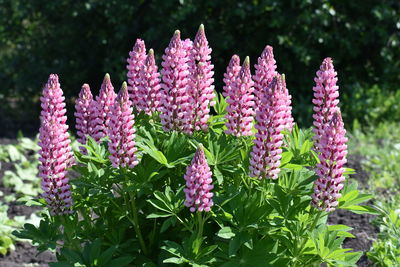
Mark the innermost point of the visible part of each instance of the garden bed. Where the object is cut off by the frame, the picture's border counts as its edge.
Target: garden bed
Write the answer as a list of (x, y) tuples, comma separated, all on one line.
[(364, 231)]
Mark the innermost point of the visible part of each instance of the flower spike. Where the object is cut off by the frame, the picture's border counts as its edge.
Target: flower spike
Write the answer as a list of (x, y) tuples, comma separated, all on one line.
[(198, 184), (121, 131), (55, 150)]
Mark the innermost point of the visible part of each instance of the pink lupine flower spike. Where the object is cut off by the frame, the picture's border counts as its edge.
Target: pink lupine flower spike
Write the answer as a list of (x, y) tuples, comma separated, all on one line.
[(83, 115), (135, 62), (55, 151), (198, 184), (239, 92), (149, 86), (266, 154), (101, 109), (176, 101), (326, 94), (330, 170), (121, 131)]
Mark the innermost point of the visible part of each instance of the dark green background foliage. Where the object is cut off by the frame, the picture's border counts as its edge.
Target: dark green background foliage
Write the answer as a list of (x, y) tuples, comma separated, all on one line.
[(82, 40)]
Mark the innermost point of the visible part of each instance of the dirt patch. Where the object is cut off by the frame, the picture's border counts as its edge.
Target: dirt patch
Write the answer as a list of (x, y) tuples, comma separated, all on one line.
[(24, 252), (363, 230)]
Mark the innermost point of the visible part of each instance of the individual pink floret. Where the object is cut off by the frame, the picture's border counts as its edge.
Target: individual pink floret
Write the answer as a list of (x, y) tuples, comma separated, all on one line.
[(198, 184), (330, 170), (101, 109), (326, 98), (55, 151), (121, 131), (83, 115), (149, 86), (270, 117), (239, 95), (135, 62)]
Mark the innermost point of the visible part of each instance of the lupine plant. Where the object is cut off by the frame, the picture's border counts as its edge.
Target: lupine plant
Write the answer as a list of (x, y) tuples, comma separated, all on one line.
[(177, 184)]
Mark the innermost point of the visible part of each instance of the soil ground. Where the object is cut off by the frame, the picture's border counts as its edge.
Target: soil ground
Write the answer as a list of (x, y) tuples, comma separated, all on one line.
[(363, 229)]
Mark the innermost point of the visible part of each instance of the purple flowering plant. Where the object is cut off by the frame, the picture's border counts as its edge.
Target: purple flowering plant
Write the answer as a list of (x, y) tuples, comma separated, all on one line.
[(170, 173)]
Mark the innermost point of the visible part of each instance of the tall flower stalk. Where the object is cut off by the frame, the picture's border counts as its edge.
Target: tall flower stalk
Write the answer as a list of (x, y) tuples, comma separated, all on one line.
[(83, 115), (149, 86), (267, 152), (135, 62), (175, 97), (121, 132), (333, 148), (201, 82), (239, 93), (55, 151), (265, 72), (101, 109), (326, 94), (198, 184)]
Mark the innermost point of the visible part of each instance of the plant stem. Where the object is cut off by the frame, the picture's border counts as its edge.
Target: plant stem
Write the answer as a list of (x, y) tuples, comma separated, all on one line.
[(314, 223), (134, 220)]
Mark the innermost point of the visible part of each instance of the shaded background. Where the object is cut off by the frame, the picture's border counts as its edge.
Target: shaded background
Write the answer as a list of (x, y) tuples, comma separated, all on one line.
[(82, 40)]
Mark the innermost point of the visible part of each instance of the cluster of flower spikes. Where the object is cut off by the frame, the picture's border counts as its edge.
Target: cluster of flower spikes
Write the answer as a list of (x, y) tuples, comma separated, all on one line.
[(135, 61), (121, 131), (333, 152), (83, 115), (198, 184), (326, 98), (149, 86), (176, 105), (100, 109), (329, 139), (238, 90), (201, 83), (270, 117), (55, 151)]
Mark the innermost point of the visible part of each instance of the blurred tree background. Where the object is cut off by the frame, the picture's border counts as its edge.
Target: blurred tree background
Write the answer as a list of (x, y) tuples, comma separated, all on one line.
[(82, 40)]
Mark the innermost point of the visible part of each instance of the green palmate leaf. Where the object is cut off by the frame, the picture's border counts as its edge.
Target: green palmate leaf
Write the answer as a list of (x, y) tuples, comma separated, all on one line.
[(121, 261), (158, 215), (226, 232), (361, 209), (174, 260)]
